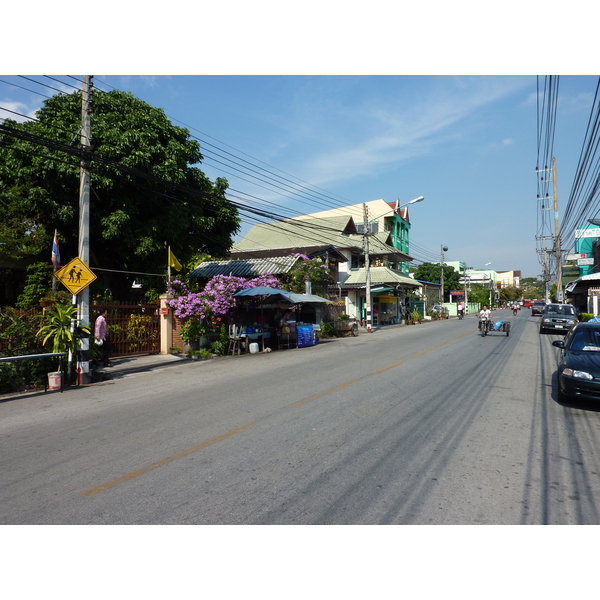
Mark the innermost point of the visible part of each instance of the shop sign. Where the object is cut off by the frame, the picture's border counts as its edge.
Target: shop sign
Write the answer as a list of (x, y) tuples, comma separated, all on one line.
[(575, 256), (593, 232)]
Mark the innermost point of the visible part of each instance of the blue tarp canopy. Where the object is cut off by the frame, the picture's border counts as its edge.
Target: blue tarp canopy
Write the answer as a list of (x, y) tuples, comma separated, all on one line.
[(262, 290)]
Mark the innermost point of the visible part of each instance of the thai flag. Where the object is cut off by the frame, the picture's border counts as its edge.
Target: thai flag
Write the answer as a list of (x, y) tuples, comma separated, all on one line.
[(55, 253)]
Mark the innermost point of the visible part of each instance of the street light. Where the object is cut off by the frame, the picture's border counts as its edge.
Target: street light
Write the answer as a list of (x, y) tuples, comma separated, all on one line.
[(419, 199), (442, 250)]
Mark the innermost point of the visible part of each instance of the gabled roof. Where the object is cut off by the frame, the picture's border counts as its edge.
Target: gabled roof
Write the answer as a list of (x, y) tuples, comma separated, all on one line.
[(251, 267), (292, 233), (318, 234), (379, 276)]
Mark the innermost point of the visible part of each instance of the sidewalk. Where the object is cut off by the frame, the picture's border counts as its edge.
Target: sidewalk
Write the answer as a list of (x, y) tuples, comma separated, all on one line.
[(124, 365)]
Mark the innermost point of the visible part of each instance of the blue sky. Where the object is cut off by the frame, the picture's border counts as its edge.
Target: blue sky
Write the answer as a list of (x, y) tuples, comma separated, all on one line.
[(355, 105), (466, 143)]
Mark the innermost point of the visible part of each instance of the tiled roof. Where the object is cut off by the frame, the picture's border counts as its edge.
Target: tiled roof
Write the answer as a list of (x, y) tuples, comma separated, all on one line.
[(250, 267)]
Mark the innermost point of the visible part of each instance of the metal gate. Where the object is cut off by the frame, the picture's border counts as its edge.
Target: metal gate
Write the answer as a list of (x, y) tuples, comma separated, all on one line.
[(132, 328)]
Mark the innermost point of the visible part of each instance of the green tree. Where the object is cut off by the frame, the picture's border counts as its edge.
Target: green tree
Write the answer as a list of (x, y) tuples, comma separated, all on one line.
[(432, 272), (146, 189), (511, 294)]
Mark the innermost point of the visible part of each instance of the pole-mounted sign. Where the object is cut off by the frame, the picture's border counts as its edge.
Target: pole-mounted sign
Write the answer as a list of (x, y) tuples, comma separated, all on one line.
[(75, 276)]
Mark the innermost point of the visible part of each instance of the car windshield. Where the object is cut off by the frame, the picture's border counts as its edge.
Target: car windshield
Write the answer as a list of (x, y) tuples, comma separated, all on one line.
[(585, 340), (560, 310)]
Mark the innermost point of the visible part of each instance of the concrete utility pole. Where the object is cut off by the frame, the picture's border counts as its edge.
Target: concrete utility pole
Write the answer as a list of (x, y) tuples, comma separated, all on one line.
[(367, 269), (83, 298), (442, 250), (559, 290)]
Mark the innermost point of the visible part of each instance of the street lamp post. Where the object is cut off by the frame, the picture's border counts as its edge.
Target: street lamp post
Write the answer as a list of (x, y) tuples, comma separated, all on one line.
[(442, 250)]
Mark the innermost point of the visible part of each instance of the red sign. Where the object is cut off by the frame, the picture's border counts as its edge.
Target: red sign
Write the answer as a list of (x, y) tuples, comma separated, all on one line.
[(164, 311), (459, 293)]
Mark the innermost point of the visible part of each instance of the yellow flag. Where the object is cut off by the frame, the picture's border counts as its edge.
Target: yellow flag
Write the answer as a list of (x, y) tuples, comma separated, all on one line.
[(173, 262)]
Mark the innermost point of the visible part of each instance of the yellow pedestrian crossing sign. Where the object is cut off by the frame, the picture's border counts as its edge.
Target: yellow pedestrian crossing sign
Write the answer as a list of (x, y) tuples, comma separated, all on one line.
[(75, 276)]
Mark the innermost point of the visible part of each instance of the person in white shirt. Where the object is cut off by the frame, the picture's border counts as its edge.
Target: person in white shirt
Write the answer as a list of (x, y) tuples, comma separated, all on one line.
[(484, 312)]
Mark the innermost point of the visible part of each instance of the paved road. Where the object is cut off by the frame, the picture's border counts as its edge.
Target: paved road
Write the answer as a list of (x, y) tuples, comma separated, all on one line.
[(428, 424)]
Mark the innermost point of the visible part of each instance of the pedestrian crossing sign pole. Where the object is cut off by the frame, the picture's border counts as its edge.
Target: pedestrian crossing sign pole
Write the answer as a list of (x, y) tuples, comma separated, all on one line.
[(75, 276)]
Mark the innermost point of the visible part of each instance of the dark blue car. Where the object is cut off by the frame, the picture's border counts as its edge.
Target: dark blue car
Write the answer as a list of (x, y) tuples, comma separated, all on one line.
[(579, 364)]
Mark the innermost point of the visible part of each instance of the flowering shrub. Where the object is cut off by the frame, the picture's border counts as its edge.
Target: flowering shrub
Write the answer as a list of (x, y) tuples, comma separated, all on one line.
[(306, 269), (205, 311)]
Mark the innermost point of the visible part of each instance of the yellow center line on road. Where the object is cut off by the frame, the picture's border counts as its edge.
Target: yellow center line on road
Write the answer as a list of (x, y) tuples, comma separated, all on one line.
[(465, 333), (442, 343), (389, 367), (424, 352), (335, 389), (133, 474)]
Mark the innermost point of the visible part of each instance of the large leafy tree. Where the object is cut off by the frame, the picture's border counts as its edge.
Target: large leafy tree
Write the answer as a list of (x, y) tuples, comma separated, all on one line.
[(432, 272), (146, 189)]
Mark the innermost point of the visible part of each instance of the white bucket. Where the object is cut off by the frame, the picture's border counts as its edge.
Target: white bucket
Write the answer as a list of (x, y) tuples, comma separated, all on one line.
[(253, 348), (54, 380)]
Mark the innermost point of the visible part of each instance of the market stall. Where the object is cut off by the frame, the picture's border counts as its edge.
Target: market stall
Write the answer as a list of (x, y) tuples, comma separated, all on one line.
[(278, 319)]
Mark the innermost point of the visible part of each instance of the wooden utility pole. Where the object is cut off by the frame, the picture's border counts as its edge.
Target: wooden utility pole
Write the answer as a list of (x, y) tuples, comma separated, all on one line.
[(83, 298)]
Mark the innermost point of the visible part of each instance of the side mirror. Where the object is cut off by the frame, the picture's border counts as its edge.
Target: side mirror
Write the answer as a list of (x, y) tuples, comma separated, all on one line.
[(559, 343)]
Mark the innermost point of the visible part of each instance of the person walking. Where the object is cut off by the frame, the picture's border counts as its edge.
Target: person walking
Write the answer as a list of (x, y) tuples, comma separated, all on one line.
[(101, 336)]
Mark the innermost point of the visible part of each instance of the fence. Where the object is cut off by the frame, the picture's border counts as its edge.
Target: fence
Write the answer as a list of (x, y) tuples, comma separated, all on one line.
[(133, 328)]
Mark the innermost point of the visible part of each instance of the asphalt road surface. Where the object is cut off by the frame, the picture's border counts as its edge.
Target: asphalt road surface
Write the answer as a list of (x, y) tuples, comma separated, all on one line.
[(426, 424)]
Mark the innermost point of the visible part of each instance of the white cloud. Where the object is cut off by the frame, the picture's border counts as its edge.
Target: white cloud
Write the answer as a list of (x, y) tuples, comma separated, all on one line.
[(394, 131), (17, 111)]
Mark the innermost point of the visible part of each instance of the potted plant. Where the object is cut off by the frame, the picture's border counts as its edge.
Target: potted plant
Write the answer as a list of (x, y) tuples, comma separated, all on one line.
[(415, 317), (56, 333), (191, 332)]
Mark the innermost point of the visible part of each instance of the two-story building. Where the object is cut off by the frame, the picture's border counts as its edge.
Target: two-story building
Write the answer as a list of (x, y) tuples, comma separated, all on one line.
[(337, 238)]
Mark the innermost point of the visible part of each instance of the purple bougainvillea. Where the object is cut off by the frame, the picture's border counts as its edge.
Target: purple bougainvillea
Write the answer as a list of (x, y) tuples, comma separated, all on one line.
[(215, 302)]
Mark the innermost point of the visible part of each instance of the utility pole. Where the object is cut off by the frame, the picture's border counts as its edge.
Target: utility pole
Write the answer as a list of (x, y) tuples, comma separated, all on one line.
[(83, 299), (442, 250), (367, 269), (559, 290)]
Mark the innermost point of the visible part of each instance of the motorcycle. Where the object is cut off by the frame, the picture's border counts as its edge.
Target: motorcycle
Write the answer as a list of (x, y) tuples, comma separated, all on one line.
[(461, 314), (484, 323), (515, 311)]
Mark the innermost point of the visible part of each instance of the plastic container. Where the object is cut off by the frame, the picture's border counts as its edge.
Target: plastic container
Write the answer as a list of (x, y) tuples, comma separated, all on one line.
[(54, 380), (253, 348)]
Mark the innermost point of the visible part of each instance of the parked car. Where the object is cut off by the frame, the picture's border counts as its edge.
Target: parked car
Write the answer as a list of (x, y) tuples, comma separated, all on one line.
[(527, 303), (558, 318), (537, 308), (440, 310), (579, 363)]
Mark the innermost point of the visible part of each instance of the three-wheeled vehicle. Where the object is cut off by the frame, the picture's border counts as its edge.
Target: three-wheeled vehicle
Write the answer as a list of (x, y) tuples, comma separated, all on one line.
[(488, 326)]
